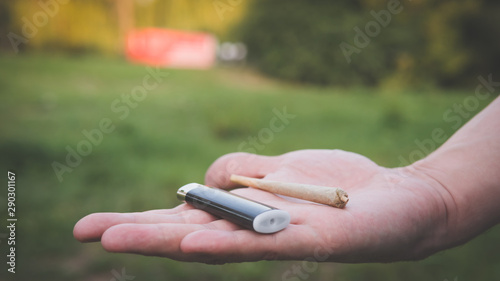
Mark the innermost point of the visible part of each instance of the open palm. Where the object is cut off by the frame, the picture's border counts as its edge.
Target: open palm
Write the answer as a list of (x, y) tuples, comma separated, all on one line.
[(393, 214)]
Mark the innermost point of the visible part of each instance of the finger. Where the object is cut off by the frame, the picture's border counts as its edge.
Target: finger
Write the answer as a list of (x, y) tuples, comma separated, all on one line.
[(245, 164), (156, 239), (91, 227), (221, 246)]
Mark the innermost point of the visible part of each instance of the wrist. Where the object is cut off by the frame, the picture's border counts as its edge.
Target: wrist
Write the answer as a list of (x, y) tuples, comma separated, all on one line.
[(440, 230)]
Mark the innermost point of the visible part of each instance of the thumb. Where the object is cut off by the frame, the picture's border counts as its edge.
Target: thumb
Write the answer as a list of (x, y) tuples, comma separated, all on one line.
[(245, 164)]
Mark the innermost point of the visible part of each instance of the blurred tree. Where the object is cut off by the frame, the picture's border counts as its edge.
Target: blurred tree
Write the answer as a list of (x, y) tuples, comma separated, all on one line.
[(374, 42), (4, 24), (100, 25), (77, 25), (125, 12)]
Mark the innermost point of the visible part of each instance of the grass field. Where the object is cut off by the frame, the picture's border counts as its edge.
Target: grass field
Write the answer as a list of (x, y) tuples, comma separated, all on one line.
[(168, 137)]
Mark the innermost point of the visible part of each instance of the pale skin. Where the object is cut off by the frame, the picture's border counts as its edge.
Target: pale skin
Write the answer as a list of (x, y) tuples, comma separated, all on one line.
[(394, 214)]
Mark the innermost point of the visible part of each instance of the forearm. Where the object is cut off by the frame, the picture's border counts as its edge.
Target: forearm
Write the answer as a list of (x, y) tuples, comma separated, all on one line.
[(467, 167)]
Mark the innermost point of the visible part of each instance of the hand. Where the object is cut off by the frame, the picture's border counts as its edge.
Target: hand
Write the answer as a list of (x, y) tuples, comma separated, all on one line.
[(393, 214)]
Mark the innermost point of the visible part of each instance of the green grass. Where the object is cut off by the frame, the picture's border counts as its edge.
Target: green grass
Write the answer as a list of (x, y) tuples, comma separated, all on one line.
[(170, 139)]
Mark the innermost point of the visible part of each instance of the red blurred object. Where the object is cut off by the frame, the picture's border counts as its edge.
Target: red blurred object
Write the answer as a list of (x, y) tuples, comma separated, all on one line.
[(171, 48)]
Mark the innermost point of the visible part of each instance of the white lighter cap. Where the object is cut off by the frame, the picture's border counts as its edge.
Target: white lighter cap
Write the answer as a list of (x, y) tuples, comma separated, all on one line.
[(271, 221), (181, 193)]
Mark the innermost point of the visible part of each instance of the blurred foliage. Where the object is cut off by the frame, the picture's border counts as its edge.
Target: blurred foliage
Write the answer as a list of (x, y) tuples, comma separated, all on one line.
[(444, 43), (427, 43), (169, 139), (94, 25)]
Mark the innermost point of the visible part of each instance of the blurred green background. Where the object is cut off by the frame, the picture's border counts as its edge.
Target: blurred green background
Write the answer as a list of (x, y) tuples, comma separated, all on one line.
[(65, 78)]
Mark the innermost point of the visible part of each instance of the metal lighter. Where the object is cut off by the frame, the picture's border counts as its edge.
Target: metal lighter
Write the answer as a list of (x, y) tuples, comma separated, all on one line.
[(244, 212)]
